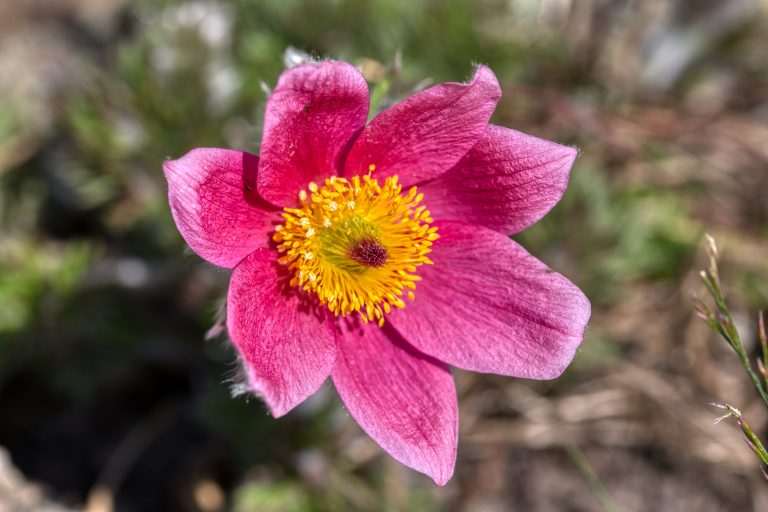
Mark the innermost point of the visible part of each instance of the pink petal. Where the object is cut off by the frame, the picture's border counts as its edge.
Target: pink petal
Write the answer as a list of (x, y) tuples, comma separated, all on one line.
[(287, 346), (425, 135), (214, 206), (506, 182), (404, 400), (311, 118), (487, 305)]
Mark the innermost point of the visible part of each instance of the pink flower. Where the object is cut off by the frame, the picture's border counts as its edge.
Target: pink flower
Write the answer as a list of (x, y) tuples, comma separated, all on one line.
[(342, 268)]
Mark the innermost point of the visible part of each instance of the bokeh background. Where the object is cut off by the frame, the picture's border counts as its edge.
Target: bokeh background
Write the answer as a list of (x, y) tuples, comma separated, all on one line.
[(112, 397)]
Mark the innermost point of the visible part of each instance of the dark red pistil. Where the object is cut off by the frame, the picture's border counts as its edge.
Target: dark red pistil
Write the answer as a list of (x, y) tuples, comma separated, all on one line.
[(369, 253)]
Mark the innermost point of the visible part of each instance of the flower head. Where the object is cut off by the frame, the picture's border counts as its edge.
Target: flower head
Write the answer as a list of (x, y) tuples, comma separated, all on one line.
[(379, 254), (356, 244)]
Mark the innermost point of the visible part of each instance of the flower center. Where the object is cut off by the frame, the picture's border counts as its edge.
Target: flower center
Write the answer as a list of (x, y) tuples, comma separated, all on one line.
[(369, 253), (356, 244)]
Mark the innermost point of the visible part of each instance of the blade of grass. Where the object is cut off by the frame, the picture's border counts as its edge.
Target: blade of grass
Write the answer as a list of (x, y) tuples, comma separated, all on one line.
[(591, 479), (723, 323)]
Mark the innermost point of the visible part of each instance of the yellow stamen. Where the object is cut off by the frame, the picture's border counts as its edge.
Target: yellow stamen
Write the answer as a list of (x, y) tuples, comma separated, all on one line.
[(356, 244)]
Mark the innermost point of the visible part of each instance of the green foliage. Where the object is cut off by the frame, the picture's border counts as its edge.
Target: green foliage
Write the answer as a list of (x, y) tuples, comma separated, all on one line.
[(30, 273), (284, 496), (620, 235)]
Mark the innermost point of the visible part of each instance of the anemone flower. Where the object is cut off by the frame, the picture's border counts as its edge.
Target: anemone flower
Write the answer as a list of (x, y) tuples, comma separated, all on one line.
[(379, 254)]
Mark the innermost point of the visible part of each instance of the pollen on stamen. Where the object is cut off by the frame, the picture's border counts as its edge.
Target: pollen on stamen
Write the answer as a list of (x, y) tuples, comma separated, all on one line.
[(356, 244)]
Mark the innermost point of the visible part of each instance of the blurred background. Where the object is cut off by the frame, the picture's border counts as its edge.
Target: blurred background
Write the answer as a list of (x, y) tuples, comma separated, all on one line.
[(112, 398)]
